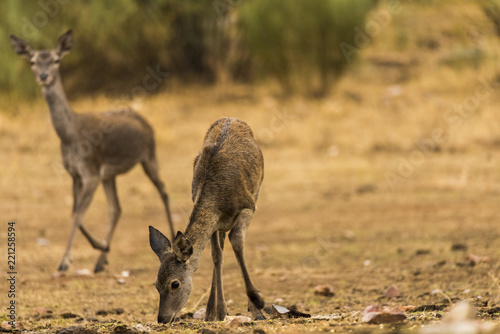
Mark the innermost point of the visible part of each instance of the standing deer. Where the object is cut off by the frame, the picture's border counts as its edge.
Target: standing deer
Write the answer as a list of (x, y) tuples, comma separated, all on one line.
[(95, 147), (228, 173)]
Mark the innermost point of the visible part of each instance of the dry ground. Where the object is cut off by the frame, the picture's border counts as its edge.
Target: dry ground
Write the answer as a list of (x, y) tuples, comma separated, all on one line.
[(355, 194), (327, 213)]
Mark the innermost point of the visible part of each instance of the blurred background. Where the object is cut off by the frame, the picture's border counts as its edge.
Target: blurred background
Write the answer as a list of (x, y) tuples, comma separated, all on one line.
[(203, 42)]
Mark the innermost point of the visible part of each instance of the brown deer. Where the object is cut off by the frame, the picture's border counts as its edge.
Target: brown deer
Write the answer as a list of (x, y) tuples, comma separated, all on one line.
[(227, 176), (95, 147)]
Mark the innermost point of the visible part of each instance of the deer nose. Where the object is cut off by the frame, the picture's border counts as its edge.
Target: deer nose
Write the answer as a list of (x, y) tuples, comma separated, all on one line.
[(43, 76), (162, 320)]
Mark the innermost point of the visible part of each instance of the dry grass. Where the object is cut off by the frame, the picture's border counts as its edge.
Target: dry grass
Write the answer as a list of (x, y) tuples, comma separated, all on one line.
[(325, 205)]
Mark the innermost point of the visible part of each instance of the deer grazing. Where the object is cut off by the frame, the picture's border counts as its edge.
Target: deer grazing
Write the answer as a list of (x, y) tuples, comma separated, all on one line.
[(227, 176), (95, 147)]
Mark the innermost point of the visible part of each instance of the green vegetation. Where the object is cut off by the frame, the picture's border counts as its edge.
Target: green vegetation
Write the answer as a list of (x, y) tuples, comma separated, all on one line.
[(298, 44), (295, 42)]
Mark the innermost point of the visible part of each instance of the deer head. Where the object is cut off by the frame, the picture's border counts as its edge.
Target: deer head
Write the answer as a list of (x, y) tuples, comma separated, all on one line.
[(174, 281), (44, 63)]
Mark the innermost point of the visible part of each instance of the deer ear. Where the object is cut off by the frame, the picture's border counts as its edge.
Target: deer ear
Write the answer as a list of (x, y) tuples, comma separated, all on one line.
[(158, 242), (64, 43), (182, 247), (21, 47)]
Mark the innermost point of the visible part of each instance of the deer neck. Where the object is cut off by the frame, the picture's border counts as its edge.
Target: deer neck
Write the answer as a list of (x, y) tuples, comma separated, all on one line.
[(63, 118), (202, 224)]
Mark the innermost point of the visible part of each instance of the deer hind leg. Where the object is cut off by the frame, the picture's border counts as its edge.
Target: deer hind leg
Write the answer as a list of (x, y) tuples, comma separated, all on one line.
[(150, 167), (237, 238), (216, 306), (114, 215)]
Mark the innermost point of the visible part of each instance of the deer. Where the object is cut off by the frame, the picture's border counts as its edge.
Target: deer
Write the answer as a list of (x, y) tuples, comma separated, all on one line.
[(227, 175), (95, 147)]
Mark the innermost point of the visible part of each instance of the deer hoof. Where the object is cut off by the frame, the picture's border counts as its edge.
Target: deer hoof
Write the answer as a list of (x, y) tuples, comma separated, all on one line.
[(101, 263), (63, 267), (98, 268)]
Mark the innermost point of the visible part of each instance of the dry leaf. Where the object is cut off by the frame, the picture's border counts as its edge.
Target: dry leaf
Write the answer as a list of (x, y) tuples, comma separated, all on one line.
[(278, 311)]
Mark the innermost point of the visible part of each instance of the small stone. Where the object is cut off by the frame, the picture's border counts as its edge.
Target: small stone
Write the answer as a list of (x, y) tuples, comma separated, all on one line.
[(5, 325), (121, 281), (392, 291), (324, 290), (200, 314), (83, 273), (474, 259), (43, 310), (374, 314), (58, 274), (238, 321), (349, 235), (44, 313), (42, 242)]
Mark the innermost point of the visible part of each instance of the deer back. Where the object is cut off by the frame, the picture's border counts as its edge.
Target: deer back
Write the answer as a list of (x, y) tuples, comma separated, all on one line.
[(229, 169)]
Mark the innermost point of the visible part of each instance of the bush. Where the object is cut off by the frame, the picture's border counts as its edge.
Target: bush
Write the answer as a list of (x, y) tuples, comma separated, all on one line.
[(298, 43)]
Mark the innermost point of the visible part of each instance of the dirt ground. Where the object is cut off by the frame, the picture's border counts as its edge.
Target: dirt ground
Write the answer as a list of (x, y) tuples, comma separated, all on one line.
[(393, 179), (358, 217)]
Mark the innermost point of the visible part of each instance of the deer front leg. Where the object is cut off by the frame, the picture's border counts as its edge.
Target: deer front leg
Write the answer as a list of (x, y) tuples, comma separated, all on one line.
[(237, 238), (114, 214), (216, 306), (82, 193)]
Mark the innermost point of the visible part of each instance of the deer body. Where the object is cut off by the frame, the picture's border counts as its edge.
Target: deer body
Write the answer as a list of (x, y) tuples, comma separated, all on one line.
[(227, 176), (95, 147)]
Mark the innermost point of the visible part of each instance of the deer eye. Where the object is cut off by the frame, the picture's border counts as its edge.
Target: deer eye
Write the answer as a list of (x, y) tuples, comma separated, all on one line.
[(32, 63), (175, 284), (57, 61)]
